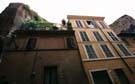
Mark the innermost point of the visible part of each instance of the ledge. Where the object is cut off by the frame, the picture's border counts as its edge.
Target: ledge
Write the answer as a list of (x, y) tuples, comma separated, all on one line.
[(45, 32), (102, 59), (85, 17), (29, 50)]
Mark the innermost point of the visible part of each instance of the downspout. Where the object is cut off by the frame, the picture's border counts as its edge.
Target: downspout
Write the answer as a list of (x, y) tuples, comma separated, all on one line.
[(33, 73)]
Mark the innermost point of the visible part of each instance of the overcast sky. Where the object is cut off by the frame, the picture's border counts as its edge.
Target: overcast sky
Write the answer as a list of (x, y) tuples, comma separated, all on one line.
[(56, 10)]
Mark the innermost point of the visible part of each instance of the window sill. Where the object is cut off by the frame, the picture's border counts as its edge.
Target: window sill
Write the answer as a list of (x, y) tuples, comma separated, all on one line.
[(132, 56), (129, 46), (98, 59)]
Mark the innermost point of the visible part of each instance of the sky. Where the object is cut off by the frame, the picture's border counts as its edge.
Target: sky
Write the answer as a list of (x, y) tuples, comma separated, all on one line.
[(56, 10)]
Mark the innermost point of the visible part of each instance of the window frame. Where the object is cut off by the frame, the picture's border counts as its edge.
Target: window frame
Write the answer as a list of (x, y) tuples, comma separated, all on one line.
[(121, 53), (78, 23), (111, 38), (109, 49), (27, 40), (100, 26), (81, 36), (87, 56), (103, 24), (102, 69), (50, 66), (99, 36), (94, 26), (72, 43)]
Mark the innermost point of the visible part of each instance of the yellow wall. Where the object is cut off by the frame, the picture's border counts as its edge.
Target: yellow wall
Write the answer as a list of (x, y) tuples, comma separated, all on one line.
[(102, 62)]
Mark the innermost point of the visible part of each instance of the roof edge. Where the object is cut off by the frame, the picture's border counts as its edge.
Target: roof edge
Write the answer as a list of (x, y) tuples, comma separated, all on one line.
[(85, 17)]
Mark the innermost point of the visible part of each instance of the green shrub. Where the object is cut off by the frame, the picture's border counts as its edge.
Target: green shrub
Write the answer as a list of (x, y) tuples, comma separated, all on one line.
[(36, 24)]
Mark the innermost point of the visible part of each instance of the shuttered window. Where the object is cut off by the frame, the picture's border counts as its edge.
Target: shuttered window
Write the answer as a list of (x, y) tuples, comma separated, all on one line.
[(31, 44), (71, 43), (96, 24), (98, 36), (113, 37), (79, 24), (84, 36), (107, 51), (124, 50), (103, 25), (90, 51)]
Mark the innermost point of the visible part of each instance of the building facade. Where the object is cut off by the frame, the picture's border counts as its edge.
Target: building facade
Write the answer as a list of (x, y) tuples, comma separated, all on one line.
[(129, 40), (42, 57), (105, 58), (88, 52)]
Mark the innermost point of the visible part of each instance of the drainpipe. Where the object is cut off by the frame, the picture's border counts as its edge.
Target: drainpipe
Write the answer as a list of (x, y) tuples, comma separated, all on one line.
[(33, 67)]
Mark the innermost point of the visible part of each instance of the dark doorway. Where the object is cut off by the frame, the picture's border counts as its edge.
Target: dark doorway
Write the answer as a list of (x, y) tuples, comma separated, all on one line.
[(122, 76), (5, 82), (101, 77), (50, 75)]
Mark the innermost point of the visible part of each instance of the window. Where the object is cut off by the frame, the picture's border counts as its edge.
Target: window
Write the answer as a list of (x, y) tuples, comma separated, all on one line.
[(95, 24), (71, 43), (101, 77), (91, 24), (99, 25), (1, 46), (31, 43), (98, 36), (125, 41), (1, 49), (4, 82), (84, 36), (103, 25), (50, 75), (107, 51), (79, 24), (90, 51), (123, 49), (114, 38), (122, 77)]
